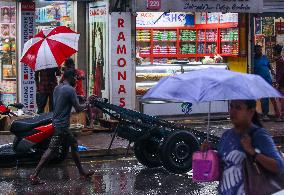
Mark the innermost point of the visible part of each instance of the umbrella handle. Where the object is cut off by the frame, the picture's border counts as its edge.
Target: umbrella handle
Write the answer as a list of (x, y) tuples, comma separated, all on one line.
[(208, 122)]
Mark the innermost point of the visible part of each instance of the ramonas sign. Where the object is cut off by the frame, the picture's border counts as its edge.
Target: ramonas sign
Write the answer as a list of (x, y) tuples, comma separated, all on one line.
[(121, 68)]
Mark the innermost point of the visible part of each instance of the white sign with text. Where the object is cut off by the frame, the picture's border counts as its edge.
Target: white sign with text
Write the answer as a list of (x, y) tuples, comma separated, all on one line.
[(121, 68), (27, 82)]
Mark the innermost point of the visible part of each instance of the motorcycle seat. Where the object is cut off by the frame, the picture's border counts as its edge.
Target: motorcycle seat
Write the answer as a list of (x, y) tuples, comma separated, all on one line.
[(28, 124)]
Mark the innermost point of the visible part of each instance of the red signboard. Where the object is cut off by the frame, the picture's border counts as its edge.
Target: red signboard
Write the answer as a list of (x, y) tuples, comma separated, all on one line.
[(28, 6), (153, 4)]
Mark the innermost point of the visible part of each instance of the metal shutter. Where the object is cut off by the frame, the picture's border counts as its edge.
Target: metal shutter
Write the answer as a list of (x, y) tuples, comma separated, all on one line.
[(273, 5)]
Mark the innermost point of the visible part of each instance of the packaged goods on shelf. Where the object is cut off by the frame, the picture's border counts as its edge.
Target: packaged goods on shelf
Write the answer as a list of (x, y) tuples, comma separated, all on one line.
[(150, 76), (141, 90), (211, 36), (145, 50), (229, 34), (213, 17), (228, 17), (201, 35), (210, 47), (164, 35), (230, 49), (201, 48), (188, 35), (177, 41), (143, 35), (188, 48), (200, 17), (164, 50)]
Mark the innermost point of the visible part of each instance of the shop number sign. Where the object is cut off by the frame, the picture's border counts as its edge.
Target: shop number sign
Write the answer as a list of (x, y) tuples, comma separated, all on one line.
[(153, 4)]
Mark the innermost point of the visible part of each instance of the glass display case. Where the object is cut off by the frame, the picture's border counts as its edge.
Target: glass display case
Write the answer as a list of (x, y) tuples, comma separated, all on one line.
[(148, 75)]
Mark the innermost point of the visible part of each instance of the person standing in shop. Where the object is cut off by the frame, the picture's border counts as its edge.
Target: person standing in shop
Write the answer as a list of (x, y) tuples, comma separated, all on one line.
[(279, 60), (46, 81), (262, 68)]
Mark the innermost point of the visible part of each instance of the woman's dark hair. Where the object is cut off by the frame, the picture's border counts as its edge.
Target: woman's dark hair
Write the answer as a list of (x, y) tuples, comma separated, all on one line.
[(69, 63), (69, 73), (251, 104), (278, 49)]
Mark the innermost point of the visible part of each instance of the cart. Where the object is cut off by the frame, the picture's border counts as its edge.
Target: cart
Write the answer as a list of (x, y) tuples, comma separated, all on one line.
[(157, 142)]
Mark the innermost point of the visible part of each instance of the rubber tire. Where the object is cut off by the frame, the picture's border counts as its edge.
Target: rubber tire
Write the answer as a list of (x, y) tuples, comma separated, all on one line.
[(169, 151), (144, 153)]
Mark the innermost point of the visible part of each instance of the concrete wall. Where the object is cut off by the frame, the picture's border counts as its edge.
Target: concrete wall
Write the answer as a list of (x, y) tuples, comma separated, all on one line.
[(81, 27)]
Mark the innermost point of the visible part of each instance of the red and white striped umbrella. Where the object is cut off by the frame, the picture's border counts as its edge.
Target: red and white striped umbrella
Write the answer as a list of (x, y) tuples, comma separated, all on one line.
[(50, 48)]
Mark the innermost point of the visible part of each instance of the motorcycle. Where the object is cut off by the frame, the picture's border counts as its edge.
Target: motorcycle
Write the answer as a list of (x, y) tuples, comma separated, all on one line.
[(32, 137)]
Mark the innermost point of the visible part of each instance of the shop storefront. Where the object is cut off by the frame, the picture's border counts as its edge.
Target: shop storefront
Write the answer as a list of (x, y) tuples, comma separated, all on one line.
[(169, 43), (8, 42), (33, 17), (267, 30), (46, 15), (166, 43)]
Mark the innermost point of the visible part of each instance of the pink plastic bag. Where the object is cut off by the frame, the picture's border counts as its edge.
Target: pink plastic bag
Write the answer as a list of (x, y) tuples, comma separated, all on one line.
[(205, 166)]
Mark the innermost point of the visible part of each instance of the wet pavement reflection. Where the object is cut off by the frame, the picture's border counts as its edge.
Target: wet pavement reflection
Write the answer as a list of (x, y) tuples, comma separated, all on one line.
[(122, 176)]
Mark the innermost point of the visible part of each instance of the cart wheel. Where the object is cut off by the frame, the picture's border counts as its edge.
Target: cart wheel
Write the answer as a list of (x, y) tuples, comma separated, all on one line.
[(146, 152), (176, 151)]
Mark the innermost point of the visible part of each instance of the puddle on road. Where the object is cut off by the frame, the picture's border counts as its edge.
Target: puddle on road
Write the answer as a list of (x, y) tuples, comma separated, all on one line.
[(116, 177)]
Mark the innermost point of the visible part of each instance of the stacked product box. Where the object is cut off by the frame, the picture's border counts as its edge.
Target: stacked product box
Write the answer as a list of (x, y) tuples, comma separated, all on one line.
[(158, 49), (211, 35), (188, 35), (166, 35), (143, 35), (188, 48)]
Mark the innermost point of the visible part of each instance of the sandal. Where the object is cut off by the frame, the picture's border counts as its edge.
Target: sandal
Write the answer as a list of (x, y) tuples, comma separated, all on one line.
[(87, 175), (36, 180)]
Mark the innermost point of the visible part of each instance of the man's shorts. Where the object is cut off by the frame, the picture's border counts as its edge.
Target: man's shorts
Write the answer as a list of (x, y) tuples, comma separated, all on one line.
[(62, 136)]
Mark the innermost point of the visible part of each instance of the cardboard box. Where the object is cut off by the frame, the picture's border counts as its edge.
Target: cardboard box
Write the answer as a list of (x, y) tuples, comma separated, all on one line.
[(78, 118), (5, 122)]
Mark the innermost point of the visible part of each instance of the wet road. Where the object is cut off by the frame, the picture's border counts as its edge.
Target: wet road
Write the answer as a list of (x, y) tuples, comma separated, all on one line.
[(121, 176)]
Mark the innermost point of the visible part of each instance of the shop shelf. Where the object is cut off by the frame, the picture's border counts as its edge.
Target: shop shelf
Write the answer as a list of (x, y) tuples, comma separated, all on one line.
[(202, 31), (229, 41), (229, 55), (164, 41), (143, 40)]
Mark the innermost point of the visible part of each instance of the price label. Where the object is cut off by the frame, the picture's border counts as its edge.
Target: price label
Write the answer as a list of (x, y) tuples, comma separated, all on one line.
[(153, 4)]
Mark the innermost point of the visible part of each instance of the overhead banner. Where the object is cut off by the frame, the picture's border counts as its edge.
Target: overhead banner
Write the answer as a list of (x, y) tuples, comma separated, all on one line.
[(160, 19), (121, 68), (239, 6), (27, 81)]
